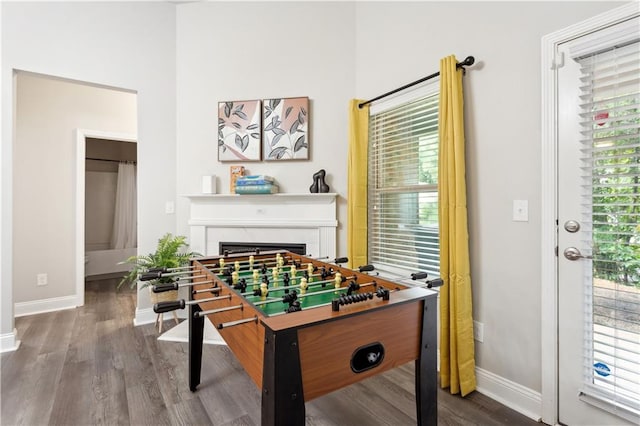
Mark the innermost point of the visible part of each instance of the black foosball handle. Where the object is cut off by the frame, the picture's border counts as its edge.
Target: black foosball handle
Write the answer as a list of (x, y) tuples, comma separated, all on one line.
[(419, 276), (148, 276), (161, 269), (435, 283), (366, 268), (169, 306), (161, 288), (341, 260)]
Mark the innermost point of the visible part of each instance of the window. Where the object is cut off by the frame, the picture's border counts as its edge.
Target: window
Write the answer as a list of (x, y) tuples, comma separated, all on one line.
[(610, 103), (403, 183)]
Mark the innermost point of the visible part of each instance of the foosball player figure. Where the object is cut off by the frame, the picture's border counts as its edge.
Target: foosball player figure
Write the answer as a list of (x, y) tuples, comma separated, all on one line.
[(235, 276), (279, 261), (274, 274), (241, 285), (337, 281), (285, 282), (293, 272), (221, 263), (303, 285), (256, 279), (264, 290), (309, 271), (251, 259), (237, 266), (263, 269)]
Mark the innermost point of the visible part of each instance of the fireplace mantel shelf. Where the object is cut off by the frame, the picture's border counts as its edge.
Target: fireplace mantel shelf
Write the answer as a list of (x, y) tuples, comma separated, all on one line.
[(283, 196)]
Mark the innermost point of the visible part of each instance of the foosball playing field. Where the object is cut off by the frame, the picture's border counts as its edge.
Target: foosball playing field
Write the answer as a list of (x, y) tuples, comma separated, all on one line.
[(303, 327)]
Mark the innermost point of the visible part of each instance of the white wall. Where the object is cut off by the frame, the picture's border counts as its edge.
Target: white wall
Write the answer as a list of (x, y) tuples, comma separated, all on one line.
[(235, 51), (123, 45), (399, 44), (47, 114)]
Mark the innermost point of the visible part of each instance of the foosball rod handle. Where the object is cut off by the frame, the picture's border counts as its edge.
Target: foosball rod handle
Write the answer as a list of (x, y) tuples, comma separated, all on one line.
[(172, 305), (366, 268), (435, 283), (419, 276), (339, 260), (237, 322), (161, 288)]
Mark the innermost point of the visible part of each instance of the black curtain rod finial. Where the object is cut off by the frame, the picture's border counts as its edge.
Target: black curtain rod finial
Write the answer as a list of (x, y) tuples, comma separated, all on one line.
[(468, 61)]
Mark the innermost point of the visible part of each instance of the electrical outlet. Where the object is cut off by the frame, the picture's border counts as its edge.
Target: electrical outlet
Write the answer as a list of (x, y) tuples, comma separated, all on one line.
[(42, 279), (478, 331)]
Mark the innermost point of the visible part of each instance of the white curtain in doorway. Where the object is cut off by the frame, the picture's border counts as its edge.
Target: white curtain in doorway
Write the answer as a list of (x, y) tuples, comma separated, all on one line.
[(125, 217)]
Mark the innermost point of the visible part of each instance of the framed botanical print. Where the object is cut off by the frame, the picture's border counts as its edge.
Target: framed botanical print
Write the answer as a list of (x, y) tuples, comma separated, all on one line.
[(285, 129), (239, 131)]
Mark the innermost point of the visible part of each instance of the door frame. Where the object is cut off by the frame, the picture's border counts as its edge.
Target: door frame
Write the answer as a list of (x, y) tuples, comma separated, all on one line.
[(81, 136), (549, 204)]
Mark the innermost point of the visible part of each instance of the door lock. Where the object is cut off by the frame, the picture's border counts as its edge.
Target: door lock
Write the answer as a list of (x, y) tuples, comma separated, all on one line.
[(571, 226), (573, 253)]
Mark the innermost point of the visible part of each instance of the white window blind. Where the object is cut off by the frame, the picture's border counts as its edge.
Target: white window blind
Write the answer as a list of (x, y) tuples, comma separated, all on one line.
[(610, 120), (403, 185)]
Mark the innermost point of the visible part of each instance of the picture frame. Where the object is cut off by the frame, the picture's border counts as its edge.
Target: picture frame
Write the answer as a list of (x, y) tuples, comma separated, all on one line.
[(239, 130), (285, 129)]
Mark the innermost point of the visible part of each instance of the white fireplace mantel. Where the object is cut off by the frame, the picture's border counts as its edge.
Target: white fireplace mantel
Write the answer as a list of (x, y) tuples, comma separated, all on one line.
[(278, 218)]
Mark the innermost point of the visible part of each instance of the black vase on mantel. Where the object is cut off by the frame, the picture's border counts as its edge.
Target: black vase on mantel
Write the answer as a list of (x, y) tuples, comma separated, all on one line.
[(319, 185)]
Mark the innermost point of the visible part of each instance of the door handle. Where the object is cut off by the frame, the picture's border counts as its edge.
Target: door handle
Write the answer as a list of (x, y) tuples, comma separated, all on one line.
[(573, 253)]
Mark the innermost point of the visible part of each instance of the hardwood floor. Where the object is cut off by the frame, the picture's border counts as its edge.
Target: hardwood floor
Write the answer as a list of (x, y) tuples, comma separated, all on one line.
[(90, 366)]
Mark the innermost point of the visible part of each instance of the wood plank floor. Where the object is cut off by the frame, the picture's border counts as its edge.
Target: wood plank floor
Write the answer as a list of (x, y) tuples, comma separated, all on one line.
[(90, 366)]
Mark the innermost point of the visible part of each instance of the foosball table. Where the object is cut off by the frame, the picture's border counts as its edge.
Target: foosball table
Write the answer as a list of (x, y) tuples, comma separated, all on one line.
[(302, 327)]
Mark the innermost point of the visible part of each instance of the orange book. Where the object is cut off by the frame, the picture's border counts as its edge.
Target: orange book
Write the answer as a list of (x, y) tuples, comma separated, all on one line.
[(236, 172)]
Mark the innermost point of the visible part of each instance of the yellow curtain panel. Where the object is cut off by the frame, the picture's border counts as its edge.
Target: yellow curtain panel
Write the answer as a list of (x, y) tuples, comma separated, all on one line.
[(357, 184), (457, 363)]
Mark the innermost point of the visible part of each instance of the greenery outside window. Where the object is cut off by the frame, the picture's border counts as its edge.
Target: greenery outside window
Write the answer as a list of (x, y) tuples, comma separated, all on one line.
[(403, 183)]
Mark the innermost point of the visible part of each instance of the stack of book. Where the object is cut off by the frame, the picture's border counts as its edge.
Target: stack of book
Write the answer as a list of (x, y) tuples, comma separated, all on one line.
[(256, 184)]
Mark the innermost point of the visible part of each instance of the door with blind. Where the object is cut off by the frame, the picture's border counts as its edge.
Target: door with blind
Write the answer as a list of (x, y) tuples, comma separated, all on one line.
[(599, 227)]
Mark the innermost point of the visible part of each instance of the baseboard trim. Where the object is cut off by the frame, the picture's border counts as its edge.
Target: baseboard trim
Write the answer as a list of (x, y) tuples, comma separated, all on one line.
[(147, 316), (41, 306), (8, 341), (517, 397)]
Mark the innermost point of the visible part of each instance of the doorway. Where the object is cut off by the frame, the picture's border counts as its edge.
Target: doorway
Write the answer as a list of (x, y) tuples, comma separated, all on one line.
[(106, 205), (110, 206)]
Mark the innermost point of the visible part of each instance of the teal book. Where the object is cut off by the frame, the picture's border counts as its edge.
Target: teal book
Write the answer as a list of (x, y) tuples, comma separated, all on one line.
[(255, 180), (257, 189)]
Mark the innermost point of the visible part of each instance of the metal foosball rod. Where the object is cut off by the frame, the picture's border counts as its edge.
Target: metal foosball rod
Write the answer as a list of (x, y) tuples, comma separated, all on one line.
[(148, 276), (436, 282), (302, 296), (216, 311), (161, 288), (290, 287), (173, 305), (237, 322)]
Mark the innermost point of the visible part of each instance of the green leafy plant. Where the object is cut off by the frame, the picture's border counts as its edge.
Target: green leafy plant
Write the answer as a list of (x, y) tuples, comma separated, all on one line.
[(169, 253)]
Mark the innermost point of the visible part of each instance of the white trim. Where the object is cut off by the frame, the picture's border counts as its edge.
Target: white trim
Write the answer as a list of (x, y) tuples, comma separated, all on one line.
[(517, 397), (33, 307), (548, 205), (81, 136), (257, 223), (8, 341)]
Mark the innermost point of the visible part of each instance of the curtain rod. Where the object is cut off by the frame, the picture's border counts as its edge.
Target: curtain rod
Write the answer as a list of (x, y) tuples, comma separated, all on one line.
[(469, 60), (111, 161)]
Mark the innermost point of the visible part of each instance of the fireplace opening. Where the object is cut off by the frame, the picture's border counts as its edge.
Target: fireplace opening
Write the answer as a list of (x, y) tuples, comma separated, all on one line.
[(232, 247)]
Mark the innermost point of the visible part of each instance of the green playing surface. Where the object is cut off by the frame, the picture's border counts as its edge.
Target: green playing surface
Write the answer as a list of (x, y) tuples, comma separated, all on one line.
[(315, 295)]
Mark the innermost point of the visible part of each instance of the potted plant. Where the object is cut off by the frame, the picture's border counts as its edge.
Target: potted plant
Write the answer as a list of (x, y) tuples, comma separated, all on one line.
[(169, 253)]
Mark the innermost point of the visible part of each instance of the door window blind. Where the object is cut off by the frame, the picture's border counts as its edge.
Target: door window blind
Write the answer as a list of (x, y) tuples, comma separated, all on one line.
[(403, 186), (610, 122)]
